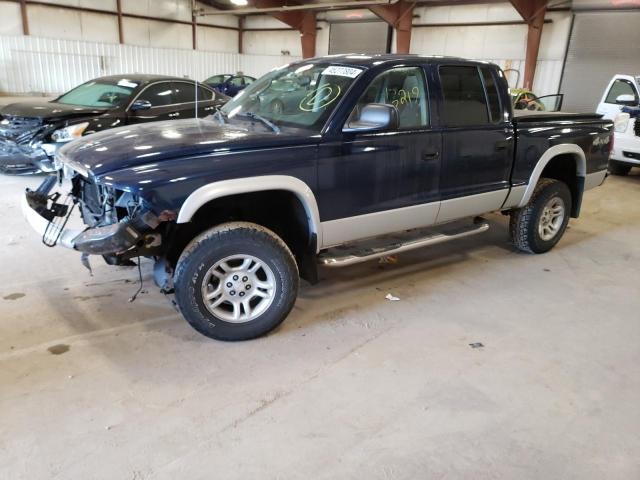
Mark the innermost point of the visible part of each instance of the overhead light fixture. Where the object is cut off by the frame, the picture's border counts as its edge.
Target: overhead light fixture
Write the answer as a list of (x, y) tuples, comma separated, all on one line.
[(240, 3)]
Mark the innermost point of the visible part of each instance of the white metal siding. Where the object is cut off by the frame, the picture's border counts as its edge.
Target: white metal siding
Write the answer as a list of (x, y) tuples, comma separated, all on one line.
[(44, 65), (358, 37), (602, 44), (501, 44)]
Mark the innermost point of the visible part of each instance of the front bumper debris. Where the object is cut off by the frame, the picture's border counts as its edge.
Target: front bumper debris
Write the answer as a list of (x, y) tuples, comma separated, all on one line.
[(31, 205), (18, 159), (48, 216), (115, 238)]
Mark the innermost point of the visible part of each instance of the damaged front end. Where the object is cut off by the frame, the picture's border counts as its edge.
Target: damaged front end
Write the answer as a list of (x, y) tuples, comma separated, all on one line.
[(118, 224), (23, 148)]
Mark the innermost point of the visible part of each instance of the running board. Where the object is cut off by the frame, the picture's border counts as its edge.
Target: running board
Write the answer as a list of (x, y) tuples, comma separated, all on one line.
[(353, 253)]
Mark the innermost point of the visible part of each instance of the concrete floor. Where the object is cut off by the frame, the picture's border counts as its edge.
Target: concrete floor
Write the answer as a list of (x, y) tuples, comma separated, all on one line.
[(352, 386)]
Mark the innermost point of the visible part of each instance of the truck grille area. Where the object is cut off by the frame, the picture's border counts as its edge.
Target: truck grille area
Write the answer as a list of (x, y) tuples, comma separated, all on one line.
[(102, 204), (636, 126)]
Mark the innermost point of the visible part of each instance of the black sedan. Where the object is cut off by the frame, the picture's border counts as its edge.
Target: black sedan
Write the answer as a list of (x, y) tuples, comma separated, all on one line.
[(31, 132)]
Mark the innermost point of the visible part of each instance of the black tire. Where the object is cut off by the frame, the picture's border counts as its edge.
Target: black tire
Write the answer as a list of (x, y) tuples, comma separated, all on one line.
[(525, 222), (217, 245), (617, 168)]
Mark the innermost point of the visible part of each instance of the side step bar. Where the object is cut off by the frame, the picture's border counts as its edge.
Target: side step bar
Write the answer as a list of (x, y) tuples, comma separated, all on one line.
[(350, 254)]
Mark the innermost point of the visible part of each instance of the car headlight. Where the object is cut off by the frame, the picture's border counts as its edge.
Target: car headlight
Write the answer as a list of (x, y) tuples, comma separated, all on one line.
[(69, 133), (621, 122)]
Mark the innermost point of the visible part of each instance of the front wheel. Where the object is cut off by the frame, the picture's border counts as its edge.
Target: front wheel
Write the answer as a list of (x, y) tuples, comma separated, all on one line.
[(538, 226), (236, 281)]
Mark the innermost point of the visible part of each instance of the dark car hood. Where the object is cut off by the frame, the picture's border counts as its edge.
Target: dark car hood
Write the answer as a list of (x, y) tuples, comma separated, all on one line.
[(133, 146), (49, 110)]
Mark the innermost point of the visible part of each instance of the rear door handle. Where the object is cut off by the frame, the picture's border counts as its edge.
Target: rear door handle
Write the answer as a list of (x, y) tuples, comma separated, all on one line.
[(430, 155), (502, 145)]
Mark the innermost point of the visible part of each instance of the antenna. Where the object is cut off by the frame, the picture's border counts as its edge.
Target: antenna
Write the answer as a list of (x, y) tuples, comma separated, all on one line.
[(194, 15)]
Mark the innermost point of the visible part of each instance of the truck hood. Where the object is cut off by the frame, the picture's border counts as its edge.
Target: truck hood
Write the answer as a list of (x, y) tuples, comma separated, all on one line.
[(49, 110), (136, 146)]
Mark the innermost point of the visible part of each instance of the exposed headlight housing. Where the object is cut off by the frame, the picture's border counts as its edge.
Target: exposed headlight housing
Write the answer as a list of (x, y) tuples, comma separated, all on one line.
[(621, 122), (69, 133)]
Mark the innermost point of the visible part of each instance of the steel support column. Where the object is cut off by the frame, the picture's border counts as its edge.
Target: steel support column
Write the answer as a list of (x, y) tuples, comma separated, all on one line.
[(302, 20), (240, 34), (400, 17), (25, 18), (533, 12)]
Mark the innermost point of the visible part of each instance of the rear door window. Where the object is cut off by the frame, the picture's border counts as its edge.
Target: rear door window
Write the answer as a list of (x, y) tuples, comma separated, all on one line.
[(204, 94), (158, 94), (464, 98), (184, 92)]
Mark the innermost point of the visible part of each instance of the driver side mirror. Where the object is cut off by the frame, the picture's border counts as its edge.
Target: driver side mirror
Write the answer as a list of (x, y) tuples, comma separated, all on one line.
[(627, 100), (374, 117), (140, 105)]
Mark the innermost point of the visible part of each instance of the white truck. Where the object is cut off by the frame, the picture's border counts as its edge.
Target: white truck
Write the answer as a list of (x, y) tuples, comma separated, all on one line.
[(621, 103)]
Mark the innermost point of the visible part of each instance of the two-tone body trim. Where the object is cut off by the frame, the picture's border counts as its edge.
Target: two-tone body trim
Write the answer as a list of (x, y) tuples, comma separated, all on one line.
[(550, 154), (226, 188), (344, 230)]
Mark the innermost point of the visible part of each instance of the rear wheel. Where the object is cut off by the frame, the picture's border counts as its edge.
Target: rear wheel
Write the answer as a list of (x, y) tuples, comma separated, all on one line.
[(236, 281), (619, 168), (538, 226)]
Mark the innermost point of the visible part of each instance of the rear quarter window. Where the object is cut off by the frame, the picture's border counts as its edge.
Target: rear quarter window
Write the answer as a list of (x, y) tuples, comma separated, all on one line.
[(493, 96)]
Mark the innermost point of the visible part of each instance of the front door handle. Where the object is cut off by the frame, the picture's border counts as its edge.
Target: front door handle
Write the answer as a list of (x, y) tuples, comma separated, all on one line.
[(174, 114), (430, 155)]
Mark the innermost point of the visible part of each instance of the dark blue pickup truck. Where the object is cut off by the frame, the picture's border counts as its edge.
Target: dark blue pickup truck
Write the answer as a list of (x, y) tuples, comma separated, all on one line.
[(379, 155)]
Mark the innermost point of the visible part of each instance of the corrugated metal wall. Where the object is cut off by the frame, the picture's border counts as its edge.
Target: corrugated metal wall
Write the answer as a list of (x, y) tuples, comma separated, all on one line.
[(368, 37), (602, 44), (50, 66), (502, 44)]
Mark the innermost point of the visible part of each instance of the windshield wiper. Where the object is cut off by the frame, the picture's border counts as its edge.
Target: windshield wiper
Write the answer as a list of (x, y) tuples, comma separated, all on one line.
[(220, 116), (255, 116)]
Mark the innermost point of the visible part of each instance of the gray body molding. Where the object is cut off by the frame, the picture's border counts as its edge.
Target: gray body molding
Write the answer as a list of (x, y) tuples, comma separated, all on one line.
[(550, 154), (225, 188)]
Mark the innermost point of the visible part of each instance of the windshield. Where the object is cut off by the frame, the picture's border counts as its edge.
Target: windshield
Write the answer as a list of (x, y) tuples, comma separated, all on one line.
[(301, 96), (218, 79), (100, 93)]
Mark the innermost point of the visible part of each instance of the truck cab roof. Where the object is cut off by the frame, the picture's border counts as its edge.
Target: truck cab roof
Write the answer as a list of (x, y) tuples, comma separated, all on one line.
[(367, 61)]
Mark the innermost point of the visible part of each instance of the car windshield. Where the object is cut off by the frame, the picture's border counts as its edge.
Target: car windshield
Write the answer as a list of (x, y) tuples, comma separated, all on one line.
[(100, 93), (218, 79), (299, 95)]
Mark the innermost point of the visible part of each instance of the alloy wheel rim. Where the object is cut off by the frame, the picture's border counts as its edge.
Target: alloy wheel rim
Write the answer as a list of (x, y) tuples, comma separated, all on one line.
[(551, 219), (238, 288)]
